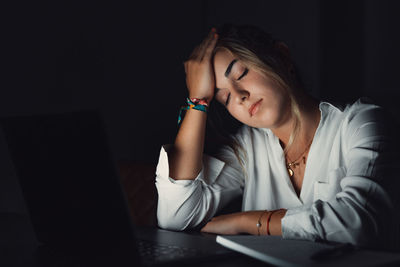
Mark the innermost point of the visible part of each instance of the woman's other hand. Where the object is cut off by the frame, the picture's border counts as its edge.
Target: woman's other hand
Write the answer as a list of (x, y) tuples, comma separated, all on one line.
[(229, 224), (200, 78)]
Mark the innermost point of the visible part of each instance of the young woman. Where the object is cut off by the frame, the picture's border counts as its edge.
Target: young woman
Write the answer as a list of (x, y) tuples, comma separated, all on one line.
[(306, 169)]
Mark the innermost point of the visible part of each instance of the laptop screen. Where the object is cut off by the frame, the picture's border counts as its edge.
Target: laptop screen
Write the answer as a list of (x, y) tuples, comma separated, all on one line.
[(68, 178)]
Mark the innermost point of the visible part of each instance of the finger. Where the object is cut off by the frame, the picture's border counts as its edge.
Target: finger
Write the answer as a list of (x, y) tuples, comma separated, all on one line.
[(199, 50), (209, 37), (195, 53), (210, 47), (206, 42)]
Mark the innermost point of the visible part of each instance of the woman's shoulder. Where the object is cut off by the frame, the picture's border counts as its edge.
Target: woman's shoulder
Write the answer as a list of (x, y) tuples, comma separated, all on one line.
[(346, 106), (353, 116), (363, 108)]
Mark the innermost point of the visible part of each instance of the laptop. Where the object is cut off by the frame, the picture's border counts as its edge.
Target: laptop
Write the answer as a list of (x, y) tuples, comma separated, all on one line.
[(277, 251), (75, 201)]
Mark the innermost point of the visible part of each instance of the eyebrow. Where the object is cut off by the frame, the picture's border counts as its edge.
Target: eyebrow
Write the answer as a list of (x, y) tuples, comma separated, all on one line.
[(228, 70)]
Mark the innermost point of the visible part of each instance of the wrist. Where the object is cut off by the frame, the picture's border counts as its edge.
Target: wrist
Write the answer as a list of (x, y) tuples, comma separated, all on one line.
[(207, 99), (249, 222), (199, 101), (275, 225), (193, 103)]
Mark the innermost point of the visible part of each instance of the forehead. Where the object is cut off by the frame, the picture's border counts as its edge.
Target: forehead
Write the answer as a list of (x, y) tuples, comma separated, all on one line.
[(222, 59)]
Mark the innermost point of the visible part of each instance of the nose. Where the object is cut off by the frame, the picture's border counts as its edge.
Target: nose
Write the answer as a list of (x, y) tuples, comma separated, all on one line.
[(240, 95)]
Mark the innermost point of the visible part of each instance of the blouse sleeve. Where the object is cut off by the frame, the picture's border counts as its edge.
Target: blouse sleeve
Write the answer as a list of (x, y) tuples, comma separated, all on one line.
[(362, 212), (184, 204)]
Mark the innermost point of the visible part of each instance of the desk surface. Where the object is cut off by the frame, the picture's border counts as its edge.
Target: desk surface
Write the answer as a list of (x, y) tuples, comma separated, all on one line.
[(18, 246)]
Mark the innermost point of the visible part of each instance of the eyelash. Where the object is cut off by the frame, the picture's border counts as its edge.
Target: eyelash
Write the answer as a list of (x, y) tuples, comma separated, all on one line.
[(246, 70), (240, 77), (227, 99)]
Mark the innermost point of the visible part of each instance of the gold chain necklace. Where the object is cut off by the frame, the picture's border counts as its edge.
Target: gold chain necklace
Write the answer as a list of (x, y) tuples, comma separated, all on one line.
[(295, 163)]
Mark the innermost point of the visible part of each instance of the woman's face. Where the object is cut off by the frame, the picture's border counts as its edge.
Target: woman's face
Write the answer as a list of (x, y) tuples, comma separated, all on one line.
[(250, 97)]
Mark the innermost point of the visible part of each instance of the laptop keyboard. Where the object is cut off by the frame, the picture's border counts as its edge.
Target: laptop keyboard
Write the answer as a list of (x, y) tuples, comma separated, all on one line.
[(153, 252)]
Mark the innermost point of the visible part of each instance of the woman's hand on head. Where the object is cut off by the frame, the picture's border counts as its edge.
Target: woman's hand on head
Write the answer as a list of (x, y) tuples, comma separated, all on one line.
[(200, 78)]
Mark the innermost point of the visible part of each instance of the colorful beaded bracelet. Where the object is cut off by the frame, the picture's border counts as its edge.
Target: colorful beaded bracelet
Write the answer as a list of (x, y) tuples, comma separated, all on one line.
[(193, 103)]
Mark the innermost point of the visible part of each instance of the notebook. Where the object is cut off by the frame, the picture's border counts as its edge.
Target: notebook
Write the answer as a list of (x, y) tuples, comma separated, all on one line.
[(75, 201), (284, 252)]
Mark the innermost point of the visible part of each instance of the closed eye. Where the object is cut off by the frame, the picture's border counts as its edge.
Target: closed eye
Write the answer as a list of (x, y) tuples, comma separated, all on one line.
[(227, 99), (243, 74)]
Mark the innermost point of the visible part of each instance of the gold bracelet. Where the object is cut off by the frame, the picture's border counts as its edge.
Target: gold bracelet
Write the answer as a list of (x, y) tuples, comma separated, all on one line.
[(259, 224)]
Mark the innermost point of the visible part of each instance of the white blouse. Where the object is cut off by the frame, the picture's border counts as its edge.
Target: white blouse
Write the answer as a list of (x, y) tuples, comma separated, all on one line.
[(343, 196)]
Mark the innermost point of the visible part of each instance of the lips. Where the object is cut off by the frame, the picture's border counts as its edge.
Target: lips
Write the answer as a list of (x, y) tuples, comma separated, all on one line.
[(254, 108)]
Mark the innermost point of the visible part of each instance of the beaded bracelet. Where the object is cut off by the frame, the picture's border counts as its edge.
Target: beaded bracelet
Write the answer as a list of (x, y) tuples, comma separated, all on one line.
[(193, 103)]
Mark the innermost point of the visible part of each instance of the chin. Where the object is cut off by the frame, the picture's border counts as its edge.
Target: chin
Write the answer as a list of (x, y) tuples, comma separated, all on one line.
[(260, 124), (261, 120)]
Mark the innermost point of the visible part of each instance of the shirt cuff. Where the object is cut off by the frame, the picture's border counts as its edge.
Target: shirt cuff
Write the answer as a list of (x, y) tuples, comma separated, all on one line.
[(300, 223), (211, 168)]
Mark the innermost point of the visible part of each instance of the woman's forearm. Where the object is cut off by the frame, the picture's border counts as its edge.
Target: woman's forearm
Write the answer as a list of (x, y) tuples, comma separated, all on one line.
[(185, 157), (246, 222), (251, 218)]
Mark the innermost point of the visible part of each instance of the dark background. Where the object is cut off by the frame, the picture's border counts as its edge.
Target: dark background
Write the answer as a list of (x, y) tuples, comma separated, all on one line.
[(125, 58)]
